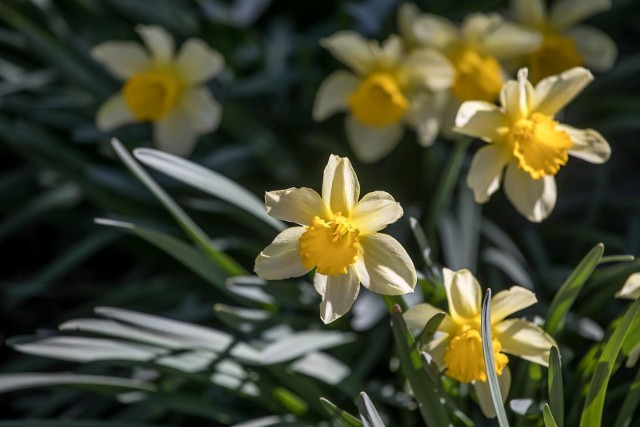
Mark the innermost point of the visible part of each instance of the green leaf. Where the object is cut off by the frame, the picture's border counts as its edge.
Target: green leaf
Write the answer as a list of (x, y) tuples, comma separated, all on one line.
[(556, 392), (570, 289), (368, 413), (300, 343), (489, 361), (549, 421), (431, 327), (339, 415), (424, 389), (593, 407), (208, 181)]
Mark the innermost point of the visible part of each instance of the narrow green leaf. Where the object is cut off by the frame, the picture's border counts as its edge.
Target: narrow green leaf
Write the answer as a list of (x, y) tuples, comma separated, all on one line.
[(549, 421), (556, 391), (431, 327), (300, 343), (489, 362), (424, 390), (630, 405), (570, 289), (594, 405), (13, 382), (339, 415), (368, 413), (616, 258)]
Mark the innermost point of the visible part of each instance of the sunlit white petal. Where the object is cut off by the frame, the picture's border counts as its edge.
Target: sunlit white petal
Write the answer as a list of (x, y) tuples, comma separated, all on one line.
[(509, 41), (281, 259), (509, 301), (298, 205), (482, 120), (338, 294), (588, 144), (463, 294), (553, 93), (333, 93), (533, 198), (340, 186), (631, 288), (524, 339), (486, 171), (375, 211), (476, 26)]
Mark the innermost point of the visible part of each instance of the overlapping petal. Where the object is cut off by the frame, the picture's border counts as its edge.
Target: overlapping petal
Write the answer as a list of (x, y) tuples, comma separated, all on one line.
[(428, 68), (333, 93), (281, 259), (340, 186), (588, 144), (509, 41), (517, 96), (338, 294), (531, 13), (298, 205), (482, 120), (533, 198), (553, 93), (485, 172), (505, 303), (159, 41), (525, 340), (435, 31), (463, 294), (375, 211)]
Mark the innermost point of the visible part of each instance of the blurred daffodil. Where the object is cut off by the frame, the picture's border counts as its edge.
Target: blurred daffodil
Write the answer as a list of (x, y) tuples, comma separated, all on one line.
[(565, 45), (457, 346), (524, 137), (339, 236), (475, 50), (385, 90), (162, 87)]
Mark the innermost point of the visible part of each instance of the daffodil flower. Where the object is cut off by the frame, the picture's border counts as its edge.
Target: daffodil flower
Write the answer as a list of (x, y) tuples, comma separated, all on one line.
[(525, 139), (161, 87), (384, 91), (339, 237), (631, 288), (457, 346), (565, 45), (475, 50)]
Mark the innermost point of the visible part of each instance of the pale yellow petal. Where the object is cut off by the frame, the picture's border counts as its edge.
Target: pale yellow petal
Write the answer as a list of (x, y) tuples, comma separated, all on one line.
[(463, 294), (509, 41), (437, 347), (509, 301), (113, 113), (407, 14), (281, 259), (533, 198), (175, 133), (483, 393), (338, 294), (597, 49), (485, 172), (481, 120), (531, 13), (435, 31), (203, 110), (197, 62), (475, 27), (425, 115), (340, 186), (333, 93), (631, 288), (524, 339), (353, 50), (588, 144), (374, 212), (553, 93), (298, 205), (567, 13), (159, 42), (371, 144), (427, 68), (517, 96), (391, 51), (122, 59), (384, 266)]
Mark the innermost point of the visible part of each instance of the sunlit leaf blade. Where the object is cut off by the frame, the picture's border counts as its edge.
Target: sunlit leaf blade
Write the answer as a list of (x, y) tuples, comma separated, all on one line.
[(556, 392), (301, 343), (368, 412), (424, 390), (594, 404), (206, 180), (271, 420), (489, 361), (13, 382), (322, 366), (549, 421), (570, 289), (338, 415)]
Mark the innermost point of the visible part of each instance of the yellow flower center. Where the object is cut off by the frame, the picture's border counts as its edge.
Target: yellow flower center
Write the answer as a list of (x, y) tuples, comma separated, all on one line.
[(555, 55), (152, 94), (541, 149), (378, 101), (464, 360), (478, 77), (330, 246)]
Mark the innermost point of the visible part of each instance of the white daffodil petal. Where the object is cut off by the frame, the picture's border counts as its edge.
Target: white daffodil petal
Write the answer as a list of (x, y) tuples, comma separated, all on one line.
[(425, 114), (434, 31), (385, 267), (122, 59), (531, 13), (566, 13), (485, 172), (508, 302), (113, 113), (333, 94), (553, 93), (375, 211), (338, 294), (281, 259), (463, 294), (524, 339), (517, 96), (407, 14), (482, 120), (475, 27), (203, 110), (391, 51), (159, 42), (340, 186), (533, 198), (197, 62), (429, 69), (597, 49), (509, 41), (175, 134), (483, 393), (352, 49), (371, 144), (416, 317), (298, 205), (588, 144), (631, 288)]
